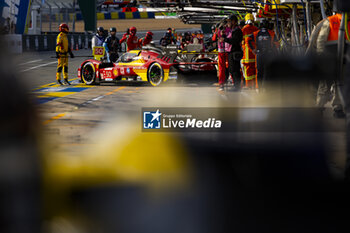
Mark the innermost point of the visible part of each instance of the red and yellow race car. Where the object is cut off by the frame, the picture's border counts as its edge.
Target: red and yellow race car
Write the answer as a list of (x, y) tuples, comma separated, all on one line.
[(151, 65)]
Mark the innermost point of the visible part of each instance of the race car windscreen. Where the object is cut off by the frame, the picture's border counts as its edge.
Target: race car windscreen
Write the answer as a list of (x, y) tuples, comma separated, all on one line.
[(127, 57)]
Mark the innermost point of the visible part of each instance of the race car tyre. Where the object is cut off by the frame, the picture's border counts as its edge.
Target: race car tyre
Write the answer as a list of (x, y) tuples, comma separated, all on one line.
[(155, 74), (88, 73)]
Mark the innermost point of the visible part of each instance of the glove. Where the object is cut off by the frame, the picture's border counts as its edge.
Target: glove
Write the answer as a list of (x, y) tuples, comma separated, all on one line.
[(57, 55), (71, 55)]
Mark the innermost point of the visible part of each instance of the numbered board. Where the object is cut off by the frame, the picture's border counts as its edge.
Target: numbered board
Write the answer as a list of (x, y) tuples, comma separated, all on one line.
[(98, 52)]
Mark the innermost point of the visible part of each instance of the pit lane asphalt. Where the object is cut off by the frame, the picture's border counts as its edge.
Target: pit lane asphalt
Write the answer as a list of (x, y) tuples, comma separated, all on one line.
[(73, 117), (73, 114)]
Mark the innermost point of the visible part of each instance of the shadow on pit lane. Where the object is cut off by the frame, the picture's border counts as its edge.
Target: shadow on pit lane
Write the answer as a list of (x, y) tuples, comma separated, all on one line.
[(188, 79), (197, 78)]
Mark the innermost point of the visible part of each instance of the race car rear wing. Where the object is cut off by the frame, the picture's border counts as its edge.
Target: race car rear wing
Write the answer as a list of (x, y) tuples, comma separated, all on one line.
[(170, 53)]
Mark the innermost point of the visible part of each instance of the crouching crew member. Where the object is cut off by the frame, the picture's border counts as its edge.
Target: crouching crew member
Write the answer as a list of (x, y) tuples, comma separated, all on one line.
[(112, 45), (62, 51)]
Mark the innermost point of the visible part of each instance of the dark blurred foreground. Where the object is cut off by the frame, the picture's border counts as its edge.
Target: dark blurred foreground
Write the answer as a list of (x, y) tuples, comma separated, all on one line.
[(194, 182)]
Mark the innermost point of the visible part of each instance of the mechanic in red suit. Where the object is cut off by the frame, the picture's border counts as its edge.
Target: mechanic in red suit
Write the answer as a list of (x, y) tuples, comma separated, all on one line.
[(126, 34), (147, 39), (132, 41)]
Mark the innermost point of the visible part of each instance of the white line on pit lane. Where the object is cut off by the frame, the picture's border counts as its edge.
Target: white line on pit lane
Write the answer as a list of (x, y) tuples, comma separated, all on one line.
[(28, 62), (91, 101), (35, 67)]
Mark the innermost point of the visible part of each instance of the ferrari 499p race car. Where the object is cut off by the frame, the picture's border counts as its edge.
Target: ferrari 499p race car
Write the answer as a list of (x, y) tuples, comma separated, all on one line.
[(192, 58), (150, 64)]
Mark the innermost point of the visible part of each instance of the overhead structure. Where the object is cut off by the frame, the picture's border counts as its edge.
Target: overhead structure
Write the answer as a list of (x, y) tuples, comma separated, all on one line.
[(88, 10), (206, 11), (210, 11)]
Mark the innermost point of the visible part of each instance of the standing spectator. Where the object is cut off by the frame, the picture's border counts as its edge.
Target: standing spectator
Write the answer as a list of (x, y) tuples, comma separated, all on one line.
[(98, 39), (234, 39), (112, 45)]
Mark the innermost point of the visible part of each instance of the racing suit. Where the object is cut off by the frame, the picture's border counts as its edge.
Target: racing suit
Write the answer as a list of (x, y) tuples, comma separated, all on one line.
[(223, 50), (112, 47), (166, 40), (145, 41), (132, 42), (248, 61), (62, 51), (265, 46)]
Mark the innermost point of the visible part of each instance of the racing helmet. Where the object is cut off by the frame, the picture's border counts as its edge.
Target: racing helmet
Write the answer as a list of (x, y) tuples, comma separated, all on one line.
[(100, 29), (63, 28), (113, 29), (149, 34), (249, 18), (133, 30)]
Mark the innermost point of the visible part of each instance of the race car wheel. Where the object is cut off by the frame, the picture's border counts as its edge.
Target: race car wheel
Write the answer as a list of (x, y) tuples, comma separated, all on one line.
[(155, 74), (88, 73)]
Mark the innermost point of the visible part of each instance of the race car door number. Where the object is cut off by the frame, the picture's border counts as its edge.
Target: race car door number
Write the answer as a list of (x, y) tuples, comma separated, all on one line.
[(106, 74)]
